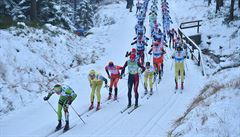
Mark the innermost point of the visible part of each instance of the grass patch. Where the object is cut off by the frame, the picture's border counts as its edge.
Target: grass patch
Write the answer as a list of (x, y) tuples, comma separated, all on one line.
[(210, 89)]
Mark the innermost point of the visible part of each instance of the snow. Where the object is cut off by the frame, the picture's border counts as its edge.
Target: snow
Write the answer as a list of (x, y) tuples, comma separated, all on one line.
[(34, 60)]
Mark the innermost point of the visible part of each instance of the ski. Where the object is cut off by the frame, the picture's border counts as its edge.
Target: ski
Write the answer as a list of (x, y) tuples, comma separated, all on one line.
[(125, 109), (64, 131), (149, 96), (92, 112), (116, 100), (129, 112), (54, 131)]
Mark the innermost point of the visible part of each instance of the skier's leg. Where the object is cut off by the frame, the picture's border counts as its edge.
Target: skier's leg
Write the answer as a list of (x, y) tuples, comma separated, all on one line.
[(98, 88), (142, 57), (176, 73), (136, 83), (116, 88), (66, 113), (130, 84), (59, 112), (151, 80), (145, 82), (94, 85), (182, 72), (110, 89)]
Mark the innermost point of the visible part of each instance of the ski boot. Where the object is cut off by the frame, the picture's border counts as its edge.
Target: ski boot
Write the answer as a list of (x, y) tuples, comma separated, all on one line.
[(115, 94), (151, 91), (176, 87), (115, 97), (66, 126), (182, 85), (146, 91), (159, 80), (109, 96), (59, 125), (98, 106), (91, 106)]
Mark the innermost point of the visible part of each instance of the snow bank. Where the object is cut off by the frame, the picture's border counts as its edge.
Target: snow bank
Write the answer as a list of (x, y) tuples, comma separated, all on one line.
[(32, 60)]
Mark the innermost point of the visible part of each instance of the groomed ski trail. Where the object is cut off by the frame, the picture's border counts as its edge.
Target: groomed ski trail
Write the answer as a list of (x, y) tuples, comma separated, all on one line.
[(153, 118)]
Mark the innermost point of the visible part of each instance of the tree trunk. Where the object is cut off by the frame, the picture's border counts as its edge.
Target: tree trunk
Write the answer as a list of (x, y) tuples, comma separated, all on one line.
[(33, 11), (217, 5), (221, 3), (231, 10), (209, 2)]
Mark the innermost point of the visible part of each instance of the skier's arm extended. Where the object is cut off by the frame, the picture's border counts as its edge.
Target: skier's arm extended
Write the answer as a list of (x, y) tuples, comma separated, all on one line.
[(142, 67), (123, 68), (104, 79), (106, 69)]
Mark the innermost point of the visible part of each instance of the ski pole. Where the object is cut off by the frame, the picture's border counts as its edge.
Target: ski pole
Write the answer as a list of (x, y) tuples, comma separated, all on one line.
[(186, 65), (53, 108), (77, 114), (172, 65), (141, 80)]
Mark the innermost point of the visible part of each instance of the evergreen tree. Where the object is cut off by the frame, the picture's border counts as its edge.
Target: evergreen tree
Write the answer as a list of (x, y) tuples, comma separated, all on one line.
[(84, 15)]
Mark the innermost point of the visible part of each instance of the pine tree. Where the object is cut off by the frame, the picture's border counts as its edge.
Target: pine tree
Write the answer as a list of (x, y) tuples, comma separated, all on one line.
[(231, 16), (84, 15), (47, 13)]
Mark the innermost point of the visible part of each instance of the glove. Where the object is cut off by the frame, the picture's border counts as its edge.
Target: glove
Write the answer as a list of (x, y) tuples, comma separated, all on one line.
[(150, 53), (120, 76), (172, 57), (69, 103), (187, 57), (45, 98), (109, 77)]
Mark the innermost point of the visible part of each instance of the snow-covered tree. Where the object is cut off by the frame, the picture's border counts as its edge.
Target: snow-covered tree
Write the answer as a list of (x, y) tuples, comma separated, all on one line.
[(84, 15)]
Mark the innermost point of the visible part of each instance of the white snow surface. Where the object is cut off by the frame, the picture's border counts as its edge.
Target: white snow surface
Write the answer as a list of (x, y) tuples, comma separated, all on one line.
[(154, 117)]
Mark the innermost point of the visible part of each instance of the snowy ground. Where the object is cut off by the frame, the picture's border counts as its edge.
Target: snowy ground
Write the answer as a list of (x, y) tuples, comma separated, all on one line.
[(154, 116)]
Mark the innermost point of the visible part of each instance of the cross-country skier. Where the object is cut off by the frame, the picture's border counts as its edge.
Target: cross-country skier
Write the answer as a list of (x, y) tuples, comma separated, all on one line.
[(67, 96), (96, 82), (172, 35), (140, 44), (139, 5), (140, 28), (133, 78), (148, 76), (179, 57), (158, 53), (114, 76)]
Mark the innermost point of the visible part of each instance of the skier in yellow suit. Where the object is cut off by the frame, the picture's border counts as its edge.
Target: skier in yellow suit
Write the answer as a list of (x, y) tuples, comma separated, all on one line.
[(148, 76), (179, 57), (96, 82)]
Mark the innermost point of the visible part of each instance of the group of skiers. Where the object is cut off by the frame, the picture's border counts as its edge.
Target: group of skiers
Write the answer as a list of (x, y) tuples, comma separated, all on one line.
[(136, 63)]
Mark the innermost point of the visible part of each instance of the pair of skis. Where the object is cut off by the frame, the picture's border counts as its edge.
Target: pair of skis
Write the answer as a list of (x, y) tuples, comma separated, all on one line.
[(57, 130), (90, 112), (130, 109), (177, 90)]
